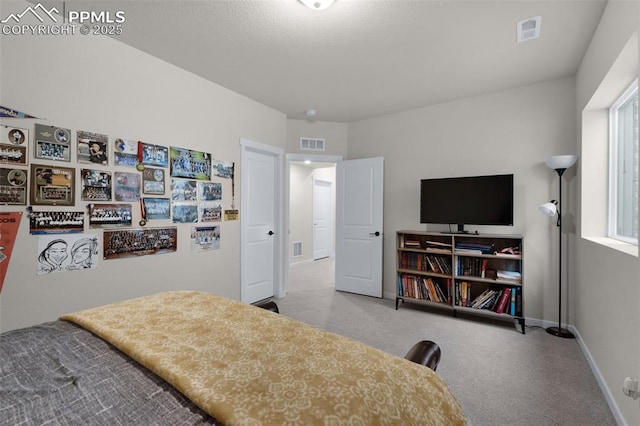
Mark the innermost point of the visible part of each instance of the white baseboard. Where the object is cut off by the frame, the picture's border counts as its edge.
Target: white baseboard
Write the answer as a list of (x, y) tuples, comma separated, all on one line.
[(608, 396)]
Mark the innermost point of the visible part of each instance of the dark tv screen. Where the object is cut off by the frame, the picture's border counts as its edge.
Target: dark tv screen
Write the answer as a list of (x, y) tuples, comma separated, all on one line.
[(473, 200)]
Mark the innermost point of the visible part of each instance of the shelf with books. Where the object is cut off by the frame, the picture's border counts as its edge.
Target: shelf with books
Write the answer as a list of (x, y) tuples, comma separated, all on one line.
[(424, 288), (480, 274)]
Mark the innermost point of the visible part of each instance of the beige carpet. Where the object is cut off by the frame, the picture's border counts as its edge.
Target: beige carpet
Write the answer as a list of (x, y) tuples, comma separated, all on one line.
[(500, 376)]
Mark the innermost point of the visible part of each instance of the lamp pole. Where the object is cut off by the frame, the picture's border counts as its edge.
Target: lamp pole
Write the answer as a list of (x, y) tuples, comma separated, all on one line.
[(559, 331)]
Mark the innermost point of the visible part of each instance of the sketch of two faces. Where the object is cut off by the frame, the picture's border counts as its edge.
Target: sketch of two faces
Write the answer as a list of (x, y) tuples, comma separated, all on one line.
[(67, 253)]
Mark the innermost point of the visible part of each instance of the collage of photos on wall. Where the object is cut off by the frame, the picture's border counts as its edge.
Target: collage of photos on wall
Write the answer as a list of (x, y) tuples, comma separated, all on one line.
[(85, 178)]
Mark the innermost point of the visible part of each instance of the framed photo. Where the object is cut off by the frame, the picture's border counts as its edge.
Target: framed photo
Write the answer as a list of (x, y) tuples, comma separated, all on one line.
[(190, 164), (13, 145), (52, 143), (96, 185), (92, 147), (125, 152), (13, 186), (109, 215), (153, 181), (139, 242), (153, 155), (157, 208), (126, 186), (52, 185), (56, 222)]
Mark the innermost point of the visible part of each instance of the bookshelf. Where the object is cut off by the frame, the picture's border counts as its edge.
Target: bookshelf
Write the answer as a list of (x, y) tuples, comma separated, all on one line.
[(479, 274)]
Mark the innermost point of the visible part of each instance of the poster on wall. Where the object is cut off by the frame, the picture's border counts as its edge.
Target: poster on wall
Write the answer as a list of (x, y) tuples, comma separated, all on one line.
[(210, 191), (12, 113), (223, 169), (92, 147), (157, 208), (210, 212), (110, 215), (14, 143), (125, 152), (13, 186), (52, 143), (9, 224), (56, 222), (190, 164), (184, 190), (153, 181), (63, 253), (96, 185), (153, 155), (52, 185), (184, 213), (205, 238), (126, 186), (139, 242)]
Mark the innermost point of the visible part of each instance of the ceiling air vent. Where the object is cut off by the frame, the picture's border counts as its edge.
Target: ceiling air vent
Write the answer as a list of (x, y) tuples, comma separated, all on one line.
[(529, 28), (311, 144)]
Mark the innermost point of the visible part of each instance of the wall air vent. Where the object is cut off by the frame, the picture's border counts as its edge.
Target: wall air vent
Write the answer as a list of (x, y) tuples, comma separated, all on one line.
[(297, 248), (529, 29), (311, 144)]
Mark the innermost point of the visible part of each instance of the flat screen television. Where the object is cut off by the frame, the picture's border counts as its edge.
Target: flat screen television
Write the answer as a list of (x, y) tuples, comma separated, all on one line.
[(472, 200)]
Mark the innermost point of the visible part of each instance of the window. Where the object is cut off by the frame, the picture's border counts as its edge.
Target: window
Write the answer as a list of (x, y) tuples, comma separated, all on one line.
[(623, 181)]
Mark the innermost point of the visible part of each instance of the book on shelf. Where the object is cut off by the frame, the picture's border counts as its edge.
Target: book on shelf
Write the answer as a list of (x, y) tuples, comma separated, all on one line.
[(513, 301), (509, 275), (438, 244), (468, 251), (504, 298), (476, 248), (412, 243)]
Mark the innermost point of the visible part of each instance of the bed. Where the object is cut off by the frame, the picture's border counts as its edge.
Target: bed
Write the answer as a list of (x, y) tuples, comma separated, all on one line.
[(189, 358)]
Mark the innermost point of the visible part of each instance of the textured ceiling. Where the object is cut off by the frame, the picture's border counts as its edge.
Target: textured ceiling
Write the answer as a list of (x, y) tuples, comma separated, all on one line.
[(360, 58)]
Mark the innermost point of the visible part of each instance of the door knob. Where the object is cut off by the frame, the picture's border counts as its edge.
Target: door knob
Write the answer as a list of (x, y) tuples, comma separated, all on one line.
[(374, 234), (270, 232)]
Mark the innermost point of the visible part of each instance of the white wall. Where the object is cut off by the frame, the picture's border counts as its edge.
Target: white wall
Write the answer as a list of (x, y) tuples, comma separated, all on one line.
[(98, 84), (608, 293), (510, 131), (301, 211), (334, 134)]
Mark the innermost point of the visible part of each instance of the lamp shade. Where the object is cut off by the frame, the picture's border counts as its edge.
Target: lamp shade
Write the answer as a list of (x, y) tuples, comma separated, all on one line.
[(561, 161), (317, 4), (548, 209)]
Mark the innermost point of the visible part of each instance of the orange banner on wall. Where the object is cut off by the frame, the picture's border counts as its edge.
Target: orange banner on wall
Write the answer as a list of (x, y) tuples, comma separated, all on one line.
[(9, 224)]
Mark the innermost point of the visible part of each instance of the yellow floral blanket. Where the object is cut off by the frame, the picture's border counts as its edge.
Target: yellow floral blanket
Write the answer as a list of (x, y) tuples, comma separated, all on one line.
[(249, 366)]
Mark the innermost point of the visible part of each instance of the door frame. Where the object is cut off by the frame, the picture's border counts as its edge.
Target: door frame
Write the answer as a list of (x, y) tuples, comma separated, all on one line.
[(247, 145), (314, 158)]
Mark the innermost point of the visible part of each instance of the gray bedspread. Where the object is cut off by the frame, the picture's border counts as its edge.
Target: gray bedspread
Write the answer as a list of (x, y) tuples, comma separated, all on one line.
[(60, 374)]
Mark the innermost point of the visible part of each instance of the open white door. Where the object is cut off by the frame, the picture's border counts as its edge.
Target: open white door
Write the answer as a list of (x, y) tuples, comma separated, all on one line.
[(259, 221), (359, 219)]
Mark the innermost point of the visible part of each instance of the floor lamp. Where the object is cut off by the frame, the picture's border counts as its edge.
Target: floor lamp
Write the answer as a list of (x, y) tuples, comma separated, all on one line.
[(559, 163)]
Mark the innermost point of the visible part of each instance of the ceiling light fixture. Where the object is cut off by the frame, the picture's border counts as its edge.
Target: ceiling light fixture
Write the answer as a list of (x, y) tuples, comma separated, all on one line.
[(317, 4), (311, 112)]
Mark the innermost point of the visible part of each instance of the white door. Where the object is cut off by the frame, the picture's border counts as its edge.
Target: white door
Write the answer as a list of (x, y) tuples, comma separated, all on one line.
[(322, 218), (259, 225), (359, 209)]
